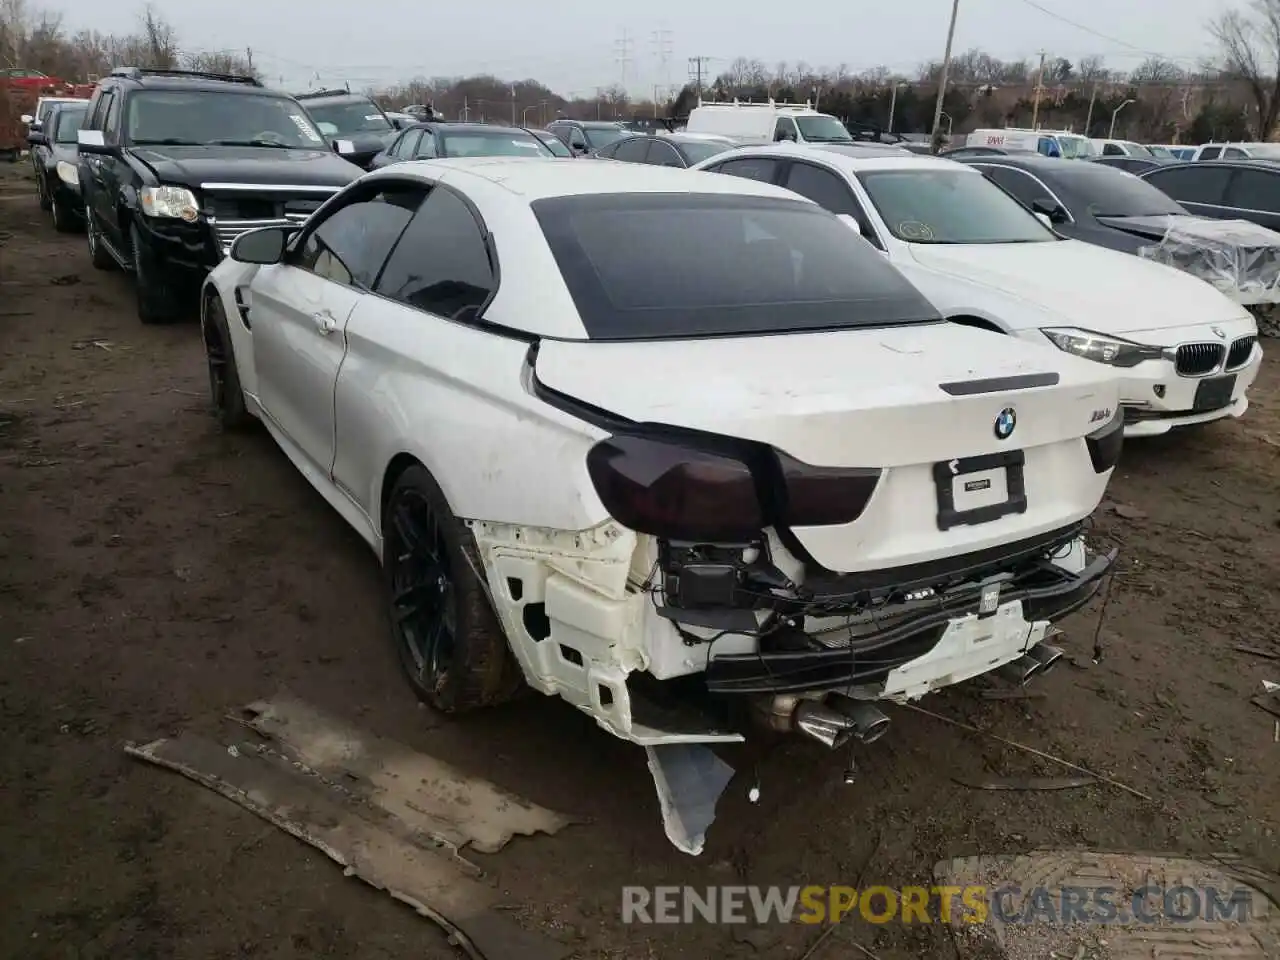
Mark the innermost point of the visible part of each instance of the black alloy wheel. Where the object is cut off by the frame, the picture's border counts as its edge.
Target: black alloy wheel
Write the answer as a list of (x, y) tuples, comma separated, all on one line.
[(448, 640), (423, 605)]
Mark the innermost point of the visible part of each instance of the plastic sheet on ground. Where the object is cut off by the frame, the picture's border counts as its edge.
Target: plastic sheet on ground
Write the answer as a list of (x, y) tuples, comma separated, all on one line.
[(690, 779), (1240, 258)]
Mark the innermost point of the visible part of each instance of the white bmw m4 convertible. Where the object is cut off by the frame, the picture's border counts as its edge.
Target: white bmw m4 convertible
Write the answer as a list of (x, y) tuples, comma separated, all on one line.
[(663, 443)]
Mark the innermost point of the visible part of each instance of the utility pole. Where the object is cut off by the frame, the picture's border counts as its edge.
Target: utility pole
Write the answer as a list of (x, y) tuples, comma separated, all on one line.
[(599, 100), (248, 59), (662, 48), (513, 104), (1088, 120), (696, 67), (942, 80), (1035, 103), (623, 47)]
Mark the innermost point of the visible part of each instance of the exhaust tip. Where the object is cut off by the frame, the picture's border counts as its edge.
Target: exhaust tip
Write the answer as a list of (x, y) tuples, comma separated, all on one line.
[(1046, 655), (873, 731), (1020, 672)]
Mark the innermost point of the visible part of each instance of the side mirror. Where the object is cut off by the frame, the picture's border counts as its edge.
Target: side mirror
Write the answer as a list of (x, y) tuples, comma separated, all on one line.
[(1044, 218), (92, 141), (1054, 212), (579, 148), (851, 221), (398, 123), (37, 139), (344, 147), (263, 246), (27, 119), (786, 136)]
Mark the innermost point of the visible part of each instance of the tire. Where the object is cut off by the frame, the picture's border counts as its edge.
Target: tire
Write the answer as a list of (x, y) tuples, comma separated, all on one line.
[(433, 592), (98, 254), (225, 392), (157, 298), (64, 221), (42, 193)]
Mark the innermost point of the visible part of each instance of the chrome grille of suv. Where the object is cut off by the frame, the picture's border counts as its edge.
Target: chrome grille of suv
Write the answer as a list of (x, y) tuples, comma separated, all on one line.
[(1240, 351), (245, 208), (1196, 359)]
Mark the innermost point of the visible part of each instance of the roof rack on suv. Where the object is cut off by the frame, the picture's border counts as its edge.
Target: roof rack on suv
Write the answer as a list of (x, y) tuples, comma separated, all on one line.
[(137, 73), (322, 93)]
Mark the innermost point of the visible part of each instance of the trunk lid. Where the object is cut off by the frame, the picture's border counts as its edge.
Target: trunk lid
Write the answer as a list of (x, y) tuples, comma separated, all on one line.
[(902, 399)]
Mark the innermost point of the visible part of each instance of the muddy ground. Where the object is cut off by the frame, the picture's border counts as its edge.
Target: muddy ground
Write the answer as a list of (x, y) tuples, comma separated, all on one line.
[(154, 574)]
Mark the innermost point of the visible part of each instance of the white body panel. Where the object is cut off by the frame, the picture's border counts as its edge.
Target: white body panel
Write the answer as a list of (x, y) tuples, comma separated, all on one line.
[(1022, 288), (745, 122)]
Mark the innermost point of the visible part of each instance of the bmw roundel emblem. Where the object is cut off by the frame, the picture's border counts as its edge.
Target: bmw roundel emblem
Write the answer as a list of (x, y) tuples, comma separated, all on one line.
[(1005, 423)]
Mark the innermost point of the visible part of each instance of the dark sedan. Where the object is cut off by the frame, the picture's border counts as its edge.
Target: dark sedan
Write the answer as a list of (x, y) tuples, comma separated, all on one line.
[(54, 153), (672, 150), (1086, 201), (960, 153), (1133, 164), (429, 141), (1224, 189)]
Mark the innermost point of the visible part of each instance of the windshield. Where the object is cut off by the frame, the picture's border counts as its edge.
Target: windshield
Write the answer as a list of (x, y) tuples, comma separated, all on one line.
[(359, 116), (822, 129), (1073, 148), (677, 265), (1111, 192), (492, 143), (69, 119), (950, 206), (598, 137), (699, 150), (199, 117), (1265, 151), (555, 145), (1163, 152)]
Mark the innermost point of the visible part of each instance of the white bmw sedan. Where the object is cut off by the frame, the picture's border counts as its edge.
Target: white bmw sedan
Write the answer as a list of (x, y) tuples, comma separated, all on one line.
[(1186, 353), (633, 437)]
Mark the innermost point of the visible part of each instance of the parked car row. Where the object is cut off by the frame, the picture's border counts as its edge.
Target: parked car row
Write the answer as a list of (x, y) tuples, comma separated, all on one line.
[(711, 426)]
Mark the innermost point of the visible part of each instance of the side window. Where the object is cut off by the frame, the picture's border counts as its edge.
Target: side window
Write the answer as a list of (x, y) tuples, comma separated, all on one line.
[(100, 110), (111, 121), (577, 139), (753, 168), (1209, 153), (560, 131), (1254, 190), (608, 150), (1234, 153), (1112, 150), (785, 129), (350, 246), (1023, 186), (632, 151), (426, 147), (441, 264), (408, 144), (822, 187), (663, 155), (1192, 184)]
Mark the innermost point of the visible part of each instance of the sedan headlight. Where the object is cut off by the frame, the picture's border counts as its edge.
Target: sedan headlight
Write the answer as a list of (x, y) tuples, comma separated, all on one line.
[(1101, 347), (67, 173), (176, 203)]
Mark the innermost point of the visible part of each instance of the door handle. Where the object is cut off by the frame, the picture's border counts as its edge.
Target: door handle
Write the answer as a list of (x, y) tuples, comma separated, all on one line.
[(325, 322)]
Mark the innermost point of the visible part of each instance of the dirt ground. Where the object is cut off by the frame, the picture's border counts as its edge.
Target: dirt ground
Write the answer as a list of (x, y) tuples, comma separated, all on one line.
[(155, 574)]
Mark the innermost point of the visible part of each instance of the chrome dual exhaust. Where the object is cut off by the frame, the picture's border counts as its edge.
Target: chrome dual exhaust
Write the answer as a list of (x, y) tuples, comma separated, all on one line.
[(1037, 661), (836, 720)]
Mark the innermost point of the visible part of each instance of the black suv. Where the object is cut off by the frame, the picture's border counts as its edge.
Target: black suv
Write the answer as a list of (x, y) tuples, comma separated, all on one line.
[(345, 116), (174, 165)]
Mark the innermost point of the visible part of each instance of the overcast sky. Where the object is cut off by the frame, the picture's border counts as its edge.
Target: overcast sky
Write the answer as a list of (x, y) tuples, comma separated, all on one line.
[(374, 42)]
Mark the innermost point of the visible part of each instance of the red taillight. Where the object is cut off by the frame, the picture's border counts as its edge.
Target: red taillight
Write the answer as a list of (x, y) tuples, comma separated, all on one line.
[(676, 492), (823, 496)]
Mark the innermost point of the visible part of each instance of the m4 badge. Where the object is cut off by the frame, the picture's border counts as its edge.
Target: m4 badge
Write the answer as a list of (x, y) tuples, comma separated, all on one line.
[(1106, 413)]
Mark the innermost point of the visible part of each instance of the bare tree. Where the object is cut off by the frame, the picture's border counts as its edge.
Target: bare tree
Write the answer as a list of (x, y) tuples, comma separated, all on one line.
[(1092, 70), (1250, 47)]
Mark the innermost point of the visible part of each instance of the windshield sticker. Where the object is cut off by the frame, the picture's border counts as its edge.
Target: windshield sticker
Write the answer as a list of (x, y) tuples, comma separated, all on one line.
[(373, 116), (915, 230), (526, 144), (305, 128)]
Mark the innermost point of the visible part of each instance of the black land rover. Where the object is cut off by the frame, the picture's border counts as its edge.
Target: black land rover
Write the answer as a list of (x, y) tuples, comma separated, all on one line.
[(353, 118), (174, 165)]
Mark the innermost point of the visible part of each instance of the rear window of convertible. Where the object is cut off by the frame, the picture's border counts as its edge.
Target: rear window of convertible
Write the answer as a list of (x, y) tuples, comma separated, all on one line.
[(652, 265)]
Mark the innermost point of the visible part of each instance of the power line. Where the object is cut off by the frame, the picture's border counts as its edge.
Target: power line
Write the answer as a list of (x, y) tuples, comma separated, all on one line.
[(623, 46), (1092, 32), (661, 42)]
